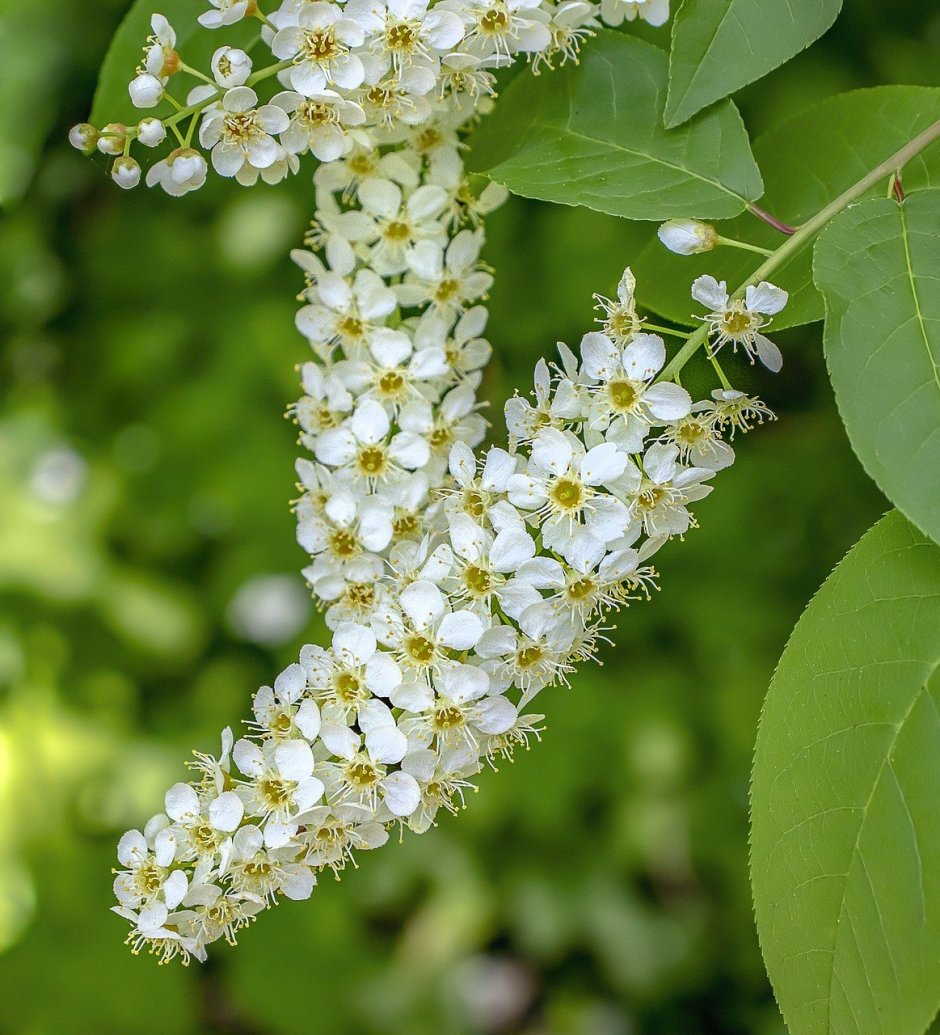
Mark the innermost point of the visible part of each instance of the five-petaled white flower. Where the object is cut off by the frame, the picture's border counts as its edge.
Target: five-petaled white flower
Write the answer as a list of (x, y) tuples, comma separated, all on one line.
[(739, 320)]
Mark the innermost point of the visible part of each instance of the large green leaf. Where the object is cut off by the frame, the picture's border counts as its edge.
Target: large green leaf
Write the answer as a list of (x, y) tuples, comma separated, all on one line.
[(878, 266), (195, 44), (718, 46), (807, 161), (591, 134), (845, 824)]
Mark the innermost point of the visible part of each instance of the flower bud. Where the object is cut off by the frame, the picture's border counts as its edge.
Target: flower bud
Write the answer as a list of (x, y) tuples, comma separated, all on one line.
[(231, 66), (112, 138), (688, 236), (83, 137), (146, 90), (150, 132), (126, 173)]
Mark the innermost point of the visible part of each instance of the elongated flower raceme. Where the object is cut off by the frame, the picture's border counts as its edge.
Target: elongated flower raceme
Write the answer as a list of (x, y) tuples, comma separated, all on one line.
[(456, 585)]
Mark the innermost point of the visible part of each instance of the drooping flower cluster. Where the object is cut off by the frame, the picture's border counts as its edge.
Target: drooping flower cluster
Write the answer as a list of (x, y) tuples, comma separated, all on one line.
[(456, 587), (345, 70)]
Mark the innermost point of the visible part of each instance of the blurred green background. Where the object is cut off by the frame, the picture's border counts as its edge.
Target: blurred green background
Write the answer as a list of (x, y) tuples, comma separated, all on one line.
[(149, 583)]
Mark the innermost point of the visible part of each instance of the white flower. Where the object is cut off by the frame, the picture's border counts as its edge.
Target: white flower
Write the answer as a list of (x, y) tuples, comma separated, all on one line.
[(362, 445), (620, 319), (353, 672), (160, 57), (455, 711), (655, 12), (151, 132), (448, 280), (502, 27), (319, 41), (479, 495), (404, 30), (483, 562), (182, 171), (147, 879), (688, 236), (622, 386), (202, 829), (529, 660), (333, 832), (363, 773), (230, 67), (125, 172), (426, 630), (280, 785), (659, 500), (318, 123), (239, 132), (399, 222), (561, 485), (346, 312), (739, 320), (226, 12), (254, 871), (283, 712), (146, 91)]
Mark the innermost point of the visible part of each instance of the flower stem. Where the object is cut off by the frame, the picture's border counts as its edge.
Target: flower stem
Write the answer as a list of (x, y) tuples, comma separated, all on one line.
[(744, 246), (805, 234)]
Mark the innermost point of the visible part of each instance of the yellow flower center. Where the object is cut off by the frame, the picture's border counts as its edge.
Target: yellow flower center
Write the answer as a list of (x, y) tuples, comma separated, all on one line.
[(419, 649), (567, 494), (372, 461)]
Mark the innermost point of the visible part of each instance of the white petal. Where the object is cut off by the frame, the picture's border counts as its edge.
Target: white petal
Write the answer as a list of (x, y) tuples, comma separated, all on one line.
[(247, 756), (226, 811), (307, 719), (382, 674), (644, 356), (599, 355), (402, 793), (370, 422), (341, 740), (294, 759), (291, 683), (386, 744), (460, 630), (354, 643), (668, 401), (181, 803), (511, 548), (710, 292), (423, 602), (765, 298), (496, 715)]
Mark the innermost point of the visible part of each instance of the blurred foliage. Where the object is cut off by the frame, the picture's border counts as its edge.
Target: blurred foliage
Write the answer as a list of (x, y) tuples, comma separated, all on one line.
[(148, 585)]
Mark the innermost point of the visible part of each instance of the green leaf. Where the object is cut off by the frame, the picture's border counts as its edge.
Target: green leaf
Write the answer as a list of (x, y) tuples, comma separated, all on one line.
[(591, 134), (718, 46), (807, 161), (194, 43), (877, 265), (845, 824)]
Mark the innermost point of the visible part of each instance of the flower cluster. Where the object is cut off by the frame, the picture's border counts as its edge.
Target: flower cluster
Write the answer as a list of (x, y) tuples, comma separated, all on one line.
[(456, 587), (347, 72)]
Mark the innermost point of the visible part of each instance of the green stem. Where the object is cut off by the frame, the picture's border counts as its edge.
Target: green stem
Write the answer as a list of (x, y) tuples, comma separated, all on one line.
[(792, 245), (744, 246)]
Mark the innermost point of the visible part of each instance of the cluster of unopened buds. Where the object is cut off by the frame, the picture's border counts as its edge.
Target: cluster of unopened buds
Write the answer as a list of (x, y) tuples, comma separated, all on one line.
[(456, 586)]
